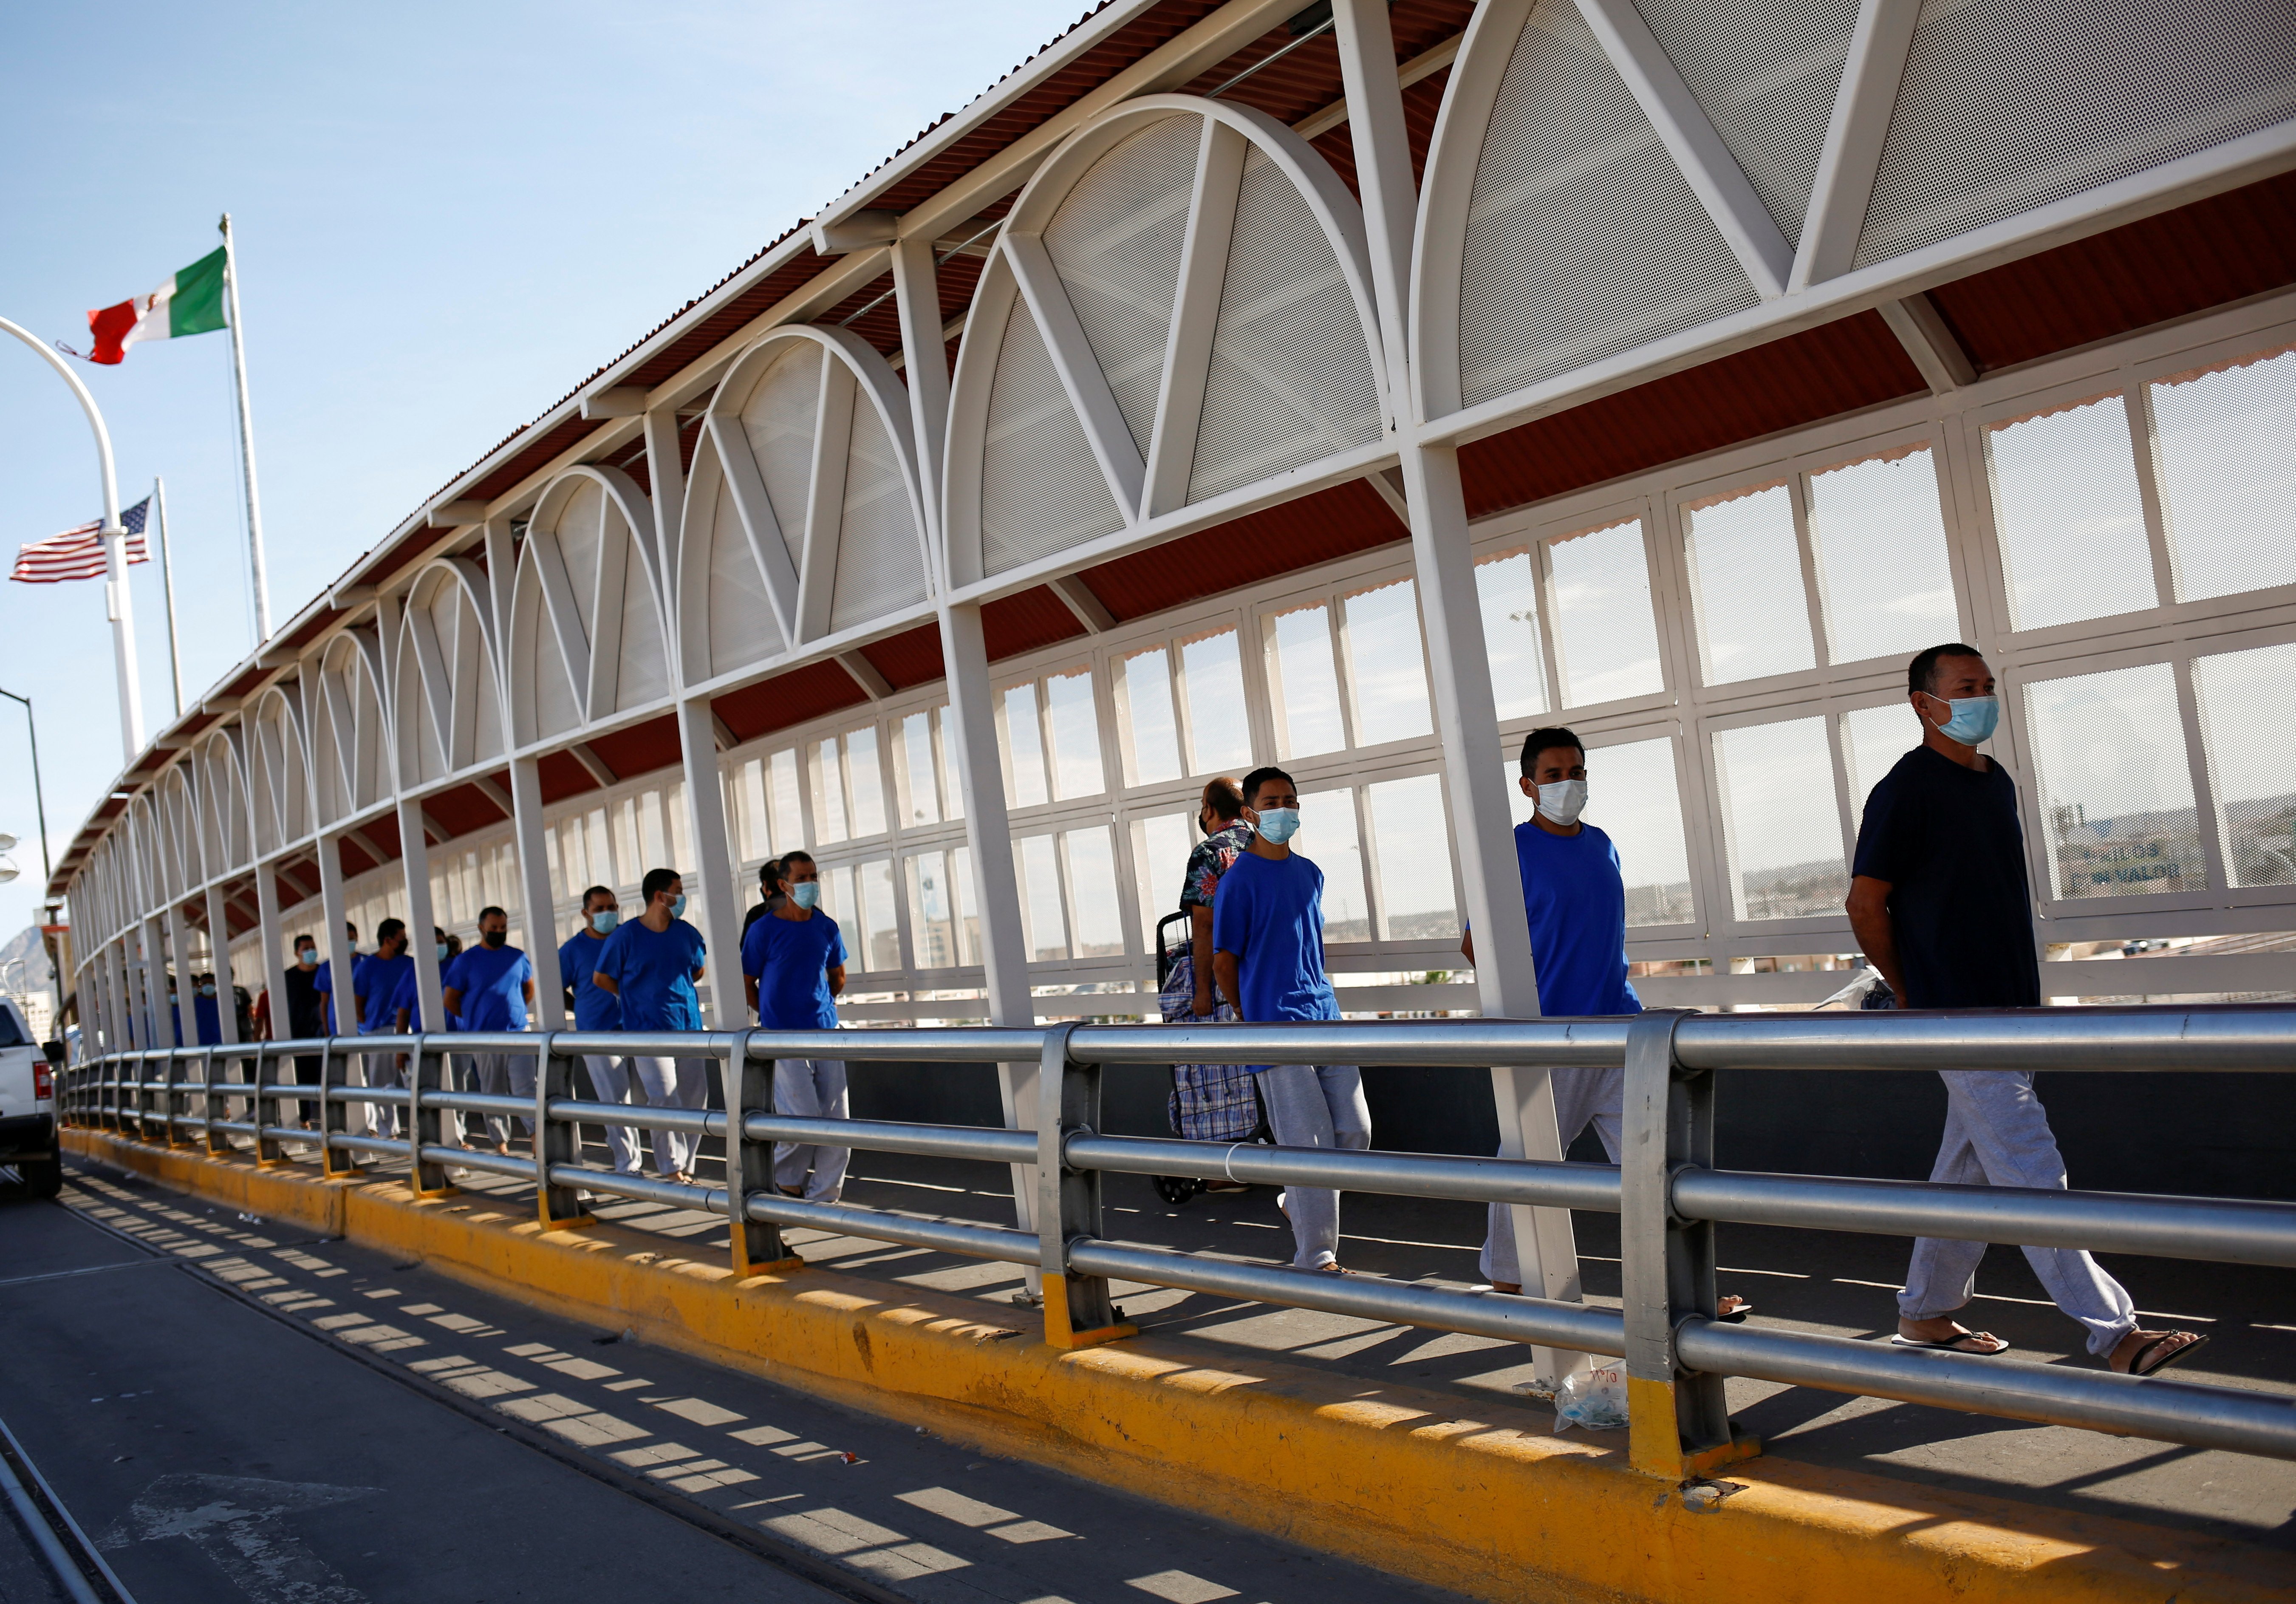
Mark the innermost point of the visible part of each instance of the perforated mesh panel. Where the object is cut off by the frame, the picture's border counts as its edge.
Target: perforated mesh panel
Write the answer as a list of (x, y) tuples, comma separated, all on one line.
[(578, 533), (2009, 104), (642, 675), (1291, 377), (539, 682), (1766, 72), (1041, 490), (742, 626), (1116, 241), (878, 568), (1583, 238), (780, 421)]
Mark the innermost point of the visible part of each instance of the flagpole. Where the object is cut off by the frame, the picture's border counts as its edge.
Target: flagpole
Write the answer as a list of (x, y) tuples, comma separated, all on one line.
[(167, 588), (117, 606), (246, 440)]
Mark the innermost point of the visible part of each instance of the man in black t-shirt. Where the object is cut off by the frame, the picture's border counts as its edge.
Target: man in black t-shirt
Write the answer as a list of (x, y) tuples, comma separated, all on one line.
[(770, 898), (1939, 900)]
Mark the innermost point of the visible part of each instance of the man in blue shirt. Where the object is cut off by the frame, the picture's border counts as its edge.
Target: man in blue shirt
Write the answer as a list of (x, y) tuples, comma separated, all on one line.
[(593, 1008), (375, 991), (1574, 895), (324, 980), (650, 964), (207, 1012), (1267, 954), (793, 965), (490, 987)]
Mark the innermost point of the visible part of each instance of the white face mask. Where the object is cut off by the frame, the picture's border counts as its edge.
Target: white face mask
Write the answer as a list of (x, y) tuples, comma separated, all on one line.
[(1564, 801)]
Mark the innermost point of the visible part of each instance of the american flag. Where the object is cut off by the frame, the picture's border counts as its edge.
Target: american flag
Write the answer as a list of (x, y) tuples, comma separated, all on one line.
[(78, 554)]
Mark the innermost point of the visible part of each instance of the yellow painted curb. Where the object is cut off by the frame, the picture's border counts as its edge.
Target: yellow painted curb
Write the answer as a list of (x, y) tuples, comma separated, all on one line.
[(1489, 1504)]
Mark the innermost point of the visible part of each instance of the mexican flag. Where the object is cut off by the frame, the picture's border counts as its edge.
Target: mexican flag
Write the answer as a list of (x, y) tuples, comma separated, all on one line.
[(189, 303)]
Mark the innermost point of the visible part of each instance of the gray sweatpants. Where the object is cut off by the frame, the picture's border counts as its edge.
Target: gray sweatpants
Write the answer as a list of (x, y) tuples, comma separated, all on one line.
[(1996, 1133), (811, 1089), (1315, 1105), (1583, 1093), (382, 1070), (504, 1075), (671, 1083)]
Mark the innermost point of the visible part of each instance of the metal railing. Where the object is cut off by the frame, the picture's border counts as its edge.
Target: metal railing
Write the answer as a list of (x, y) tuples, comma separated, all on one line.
[(1668, 1196)]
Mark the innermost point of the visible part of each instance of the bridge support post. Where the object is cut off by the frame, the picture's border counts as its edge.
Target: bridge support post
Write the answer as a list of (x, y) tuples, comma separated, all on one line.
[(555, 1141), (1678, 1420), (218, 1142), (266, 1149), (334, 1114), (757, 1245), (426, 1178), (1079, 1313)]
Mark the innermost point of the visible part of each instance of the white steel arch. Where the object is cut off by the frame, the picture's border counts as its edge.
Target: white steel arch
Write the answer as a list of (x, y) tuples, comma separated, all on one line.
[(804, 512), (224, 790), (281, 775), (588, 634), (1178, 309), (351, 742), (448, 703)]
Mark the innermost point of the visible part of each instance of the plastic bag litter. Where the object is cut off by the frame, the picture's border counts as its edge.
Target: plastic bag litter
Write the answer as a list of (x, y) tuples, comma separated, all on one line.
[(1869, 991), (1594, 1400)]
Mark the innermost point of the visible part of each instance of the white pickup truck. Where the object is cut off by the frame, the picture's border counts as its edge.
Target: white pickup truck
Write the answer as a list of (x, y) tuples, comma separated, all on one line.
[(27, 1107)]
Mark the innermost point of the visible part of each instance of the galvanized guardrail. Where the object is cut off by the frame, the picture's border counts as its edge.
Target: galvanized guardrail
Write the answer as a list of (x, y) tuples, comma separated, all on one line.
[(1668, 1196)]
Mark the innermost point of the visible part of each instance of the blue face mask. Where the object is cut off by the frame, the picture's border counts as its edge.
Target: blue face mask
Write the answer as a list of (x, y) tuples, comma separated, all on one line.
[(678, 906), (805, 893), (604, 920), (1973, 719), (1278, 825), (442, 950)]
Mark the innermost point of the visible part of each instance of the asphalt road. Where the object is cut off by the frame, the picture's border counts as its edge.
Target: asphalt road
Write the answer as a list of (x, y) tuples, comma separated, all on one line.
[(220, 1453)]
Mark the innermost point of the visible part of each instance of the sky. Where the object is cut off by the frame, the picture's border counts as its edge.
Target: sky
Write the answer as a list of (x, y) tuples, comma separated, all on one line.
[(446, 216)]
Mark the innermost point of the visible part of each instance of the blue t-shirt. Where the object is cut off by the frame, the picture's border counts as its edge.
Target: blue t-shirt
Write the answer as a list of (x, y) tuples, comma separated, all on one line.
[(208, 1020), (577, 969), (790, 959), (322, 981), (492, 981), (654, 972), (1269, 913), (378, 980), (1576, 900)]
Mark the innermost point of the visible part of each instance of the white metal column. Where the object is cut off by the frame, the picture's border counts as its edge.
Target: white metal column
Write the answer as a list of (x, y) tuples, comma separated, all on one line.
[(534, 885), (332, 941), (167, 1024), (220, 960), (275, 959), (971, 739), (414, 868), (179, 940), (1466, 716), (721, 898)]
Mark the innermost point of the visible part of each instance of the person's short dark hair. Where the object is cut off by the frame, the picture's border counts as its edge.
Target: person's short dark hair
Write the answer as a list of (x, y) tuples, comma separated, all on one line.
[(1252, 782), (769, 873), (1920, 674), (596, 891), (299, 942), (1539, 740), (656, 882), (1224, 798), (389, 929), (782, 865), (351, 929), (491, 912), (438, 932)]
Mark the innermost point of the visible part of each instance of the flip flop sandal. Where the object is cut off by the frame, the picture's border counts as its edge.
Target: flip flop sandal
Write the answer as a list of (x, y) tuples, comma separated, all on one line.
[(1737, 1316), (2137, 1366), (1952, 1344)]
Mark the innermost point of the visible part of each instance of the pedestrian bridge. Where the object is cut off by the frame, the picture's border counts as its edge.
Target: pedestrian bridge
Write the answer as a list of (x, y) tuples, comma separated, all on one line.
[(1154, 1346)]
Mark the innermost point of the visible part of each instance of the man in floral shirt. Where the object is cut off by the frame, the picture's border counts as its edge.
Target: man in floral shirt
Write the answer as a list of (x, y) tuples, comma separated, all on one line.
[(1209, 1102)]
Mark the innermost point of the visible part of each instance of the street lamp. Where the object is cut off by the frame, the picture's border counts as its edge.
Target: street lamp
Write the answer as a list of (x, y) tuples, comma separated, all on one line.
[(40, 808)]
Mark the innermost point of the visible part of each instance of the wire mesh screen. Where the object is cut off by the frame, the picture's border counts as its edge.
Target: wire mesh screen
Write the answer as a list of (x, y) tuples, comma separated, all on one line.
[(1766, 73), (1291, 377), (1116, 241), (780, 419), (2254, 781), (1041, 489), (878, 566), (2009, 104), (1583, 238), (1745, 564), (741, 627)]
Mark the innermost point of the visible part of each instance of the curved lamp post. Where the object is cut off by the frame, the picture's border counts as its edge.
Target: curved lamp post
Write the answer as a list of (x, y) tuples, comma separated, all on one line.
[(115, 550)]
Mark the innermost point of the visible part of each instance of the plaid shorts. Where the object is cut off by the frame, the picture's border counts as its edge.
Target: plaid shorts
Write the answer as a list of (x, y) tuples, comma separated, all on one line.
[(1209, 1102)]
